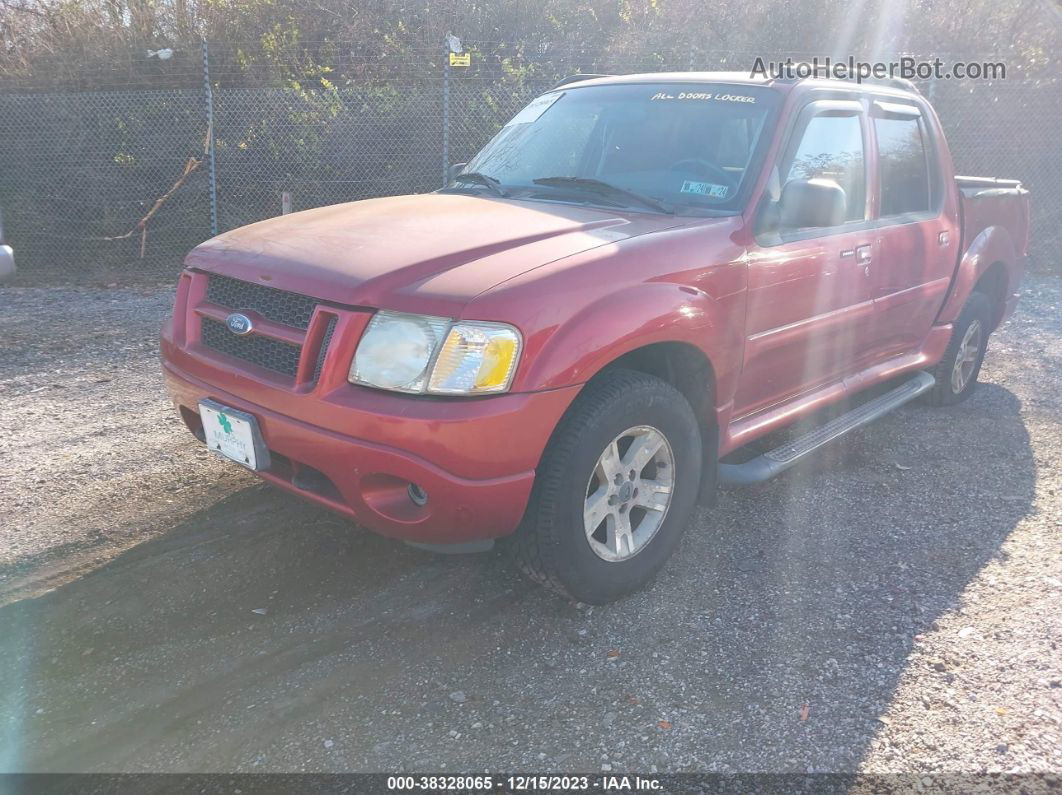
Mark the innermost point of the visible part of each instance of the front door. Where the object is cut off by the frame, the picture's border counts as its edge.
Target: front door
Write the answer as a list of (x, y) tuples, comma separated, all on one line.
[(810, 309)]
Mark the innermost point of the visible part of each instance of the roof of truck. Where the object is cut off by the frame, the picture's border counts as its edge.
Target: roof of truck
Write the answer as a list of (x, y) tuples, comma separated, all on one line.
[(896, 86)]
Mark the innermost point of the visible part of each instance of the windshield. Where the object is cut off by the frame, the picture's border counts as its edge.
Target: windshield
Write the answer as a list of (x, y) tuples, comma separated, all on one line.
[(682, 145)]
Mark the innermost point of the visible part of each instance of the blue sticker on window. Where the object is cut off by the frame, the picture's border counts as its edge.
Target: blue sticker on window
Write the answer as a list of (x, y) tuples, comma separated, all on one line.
[(705, 189)]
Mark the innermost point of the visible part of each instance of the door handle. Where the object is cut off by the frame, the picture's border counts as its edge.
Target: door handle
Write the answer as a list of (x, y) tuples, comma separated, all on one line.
[(860, 254)]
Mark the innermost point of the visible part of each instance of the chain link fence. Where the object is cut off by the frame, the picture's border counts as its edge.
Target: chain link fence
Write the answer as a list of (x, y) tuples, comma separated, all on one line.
[(80, 173)]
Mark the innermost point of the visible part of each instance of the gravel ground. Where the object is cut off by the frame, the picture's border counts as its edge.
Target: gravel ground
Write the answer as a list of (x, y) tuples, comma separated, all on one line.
[(892, 606)]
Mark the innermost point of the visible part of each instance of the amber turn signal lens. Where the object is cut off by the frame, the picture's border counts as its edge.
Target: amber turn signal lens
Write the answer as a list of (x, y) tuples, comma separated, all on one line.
[(476, 358)]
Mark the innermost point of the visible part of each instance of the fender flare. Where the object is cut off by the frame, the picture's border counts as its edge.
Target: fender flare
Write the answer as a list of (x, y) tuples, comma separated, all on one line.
[(994, 244), (618, 323)]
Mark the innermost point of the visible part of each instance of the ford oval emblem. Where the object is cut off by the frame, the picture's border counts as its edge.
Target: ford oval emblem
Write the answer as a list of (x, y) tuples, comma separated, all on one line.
[(239, 324)]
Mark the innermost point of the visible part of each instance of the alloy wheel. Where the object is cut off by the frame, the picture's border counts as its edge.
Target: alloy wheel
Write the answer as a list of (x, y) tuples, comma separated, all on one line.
[(629, 493), (966, 357)]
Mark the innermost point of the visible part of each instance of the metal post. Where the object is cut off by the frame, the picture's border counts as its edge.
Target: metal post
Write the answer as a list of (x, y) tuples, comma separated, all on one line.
[(446, 115), (208, 97)]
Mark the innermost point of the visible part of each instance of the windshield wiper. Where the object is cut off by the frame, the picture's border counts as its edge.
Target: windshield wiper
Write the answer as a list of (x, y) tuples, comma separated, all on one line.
[(604, 189), (482, 179)]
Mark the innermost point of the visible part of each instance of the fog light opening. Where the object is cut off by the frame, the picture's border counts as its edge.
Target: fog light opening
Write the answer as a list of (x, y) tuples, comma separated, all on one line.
[(417, 495)]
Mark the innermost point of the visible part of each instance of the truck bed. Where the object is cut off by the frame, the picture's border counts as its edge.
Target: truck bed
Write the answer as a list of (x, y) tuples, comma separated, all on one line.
[(988, 201)]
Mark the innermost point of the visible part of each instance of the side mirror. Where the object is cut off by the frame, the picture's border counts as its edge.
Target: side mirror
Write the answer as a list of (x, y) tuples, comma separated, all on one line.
[(453, 171), (812, 203)]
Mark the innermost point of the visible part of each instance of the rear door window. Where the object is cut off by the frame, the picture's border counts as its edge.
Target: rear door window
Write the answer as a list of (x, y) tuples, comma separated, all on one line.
[(904, 165)]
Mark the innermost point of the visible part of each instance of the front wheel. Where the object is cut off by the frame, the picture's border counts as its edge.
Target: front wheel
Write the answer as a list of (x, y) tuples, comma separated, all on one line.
[(957, 372), (614, 491)]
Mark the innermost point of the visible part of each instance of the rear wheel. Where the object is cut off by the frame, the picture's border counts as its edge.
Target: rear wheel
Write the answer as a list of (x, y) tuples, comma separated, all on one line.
[(957, 372), (614, 491)]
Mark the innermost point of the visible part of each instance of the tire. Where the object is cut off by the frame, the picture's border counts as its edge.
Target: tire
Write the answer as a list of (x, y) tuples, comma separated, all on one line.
[(975, 321), (552, 545)]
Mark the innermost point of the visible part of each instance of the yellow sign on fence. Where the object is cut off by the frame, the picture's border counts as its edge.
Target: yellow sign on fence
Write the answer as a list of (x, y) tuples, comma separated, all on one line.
[(460, 59)]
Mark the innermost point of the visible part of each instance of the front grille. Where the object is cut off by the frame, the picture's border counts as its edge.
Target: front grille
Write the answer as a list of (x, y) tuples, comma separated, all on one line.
[(280, 357), (280, 306)]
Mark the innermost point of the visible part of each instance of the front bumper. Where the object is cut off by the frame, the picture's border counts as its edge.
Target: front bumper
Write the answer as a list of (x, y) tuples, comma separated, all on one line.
[(368, 479)]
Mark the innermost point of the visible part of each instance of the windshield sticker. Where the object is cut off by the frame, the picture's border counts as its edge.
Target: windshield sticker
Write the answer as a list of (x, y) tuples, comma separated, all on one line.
[(703, 96), (705, 189), (535, 109)]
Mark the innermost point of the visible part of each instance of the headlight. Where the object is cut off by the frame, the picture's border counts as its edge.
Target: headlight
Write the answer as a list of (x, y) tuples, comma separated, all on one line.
[(416, 353), (396, 350)]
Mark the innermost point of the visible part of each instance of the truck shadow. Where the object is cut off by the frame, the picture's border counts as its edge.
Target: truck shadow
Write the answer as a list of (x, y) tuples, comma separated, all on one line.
[(265, 634)]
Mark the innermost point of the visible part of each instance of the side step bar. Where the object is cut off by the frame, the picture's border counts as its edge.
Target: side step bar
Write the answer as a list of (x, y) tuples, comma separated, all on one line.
[(769, 464)]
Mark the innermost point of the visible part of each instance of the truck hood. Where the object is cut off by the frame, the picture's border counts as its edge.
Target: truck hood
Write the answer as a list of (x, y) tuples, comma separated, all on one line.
[(421, 253)]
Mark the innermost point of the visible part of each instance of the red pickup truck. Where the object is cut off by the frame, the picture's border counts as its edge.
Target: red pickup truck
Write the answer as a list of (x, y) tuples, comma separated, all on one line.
[(583, 333)]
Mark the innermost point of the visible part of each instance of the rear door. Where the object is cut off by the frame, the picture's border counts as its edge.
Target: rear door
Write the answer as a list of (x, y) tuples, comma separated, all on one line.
[(918, 239), (810, 309)]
